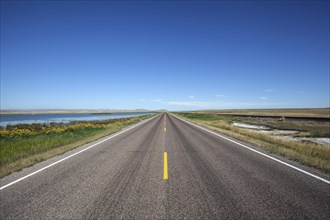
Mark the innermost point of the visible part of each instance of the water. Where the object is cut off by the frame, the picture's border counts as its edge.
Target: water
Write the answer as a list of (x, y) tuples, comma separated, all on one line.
[(254, 127), (284, 134), (7, 119)]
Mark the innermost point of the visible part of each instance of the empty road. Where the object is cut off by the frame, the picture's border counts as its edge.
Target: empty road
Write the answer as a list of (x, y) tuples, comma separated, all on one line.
[(208, 177)]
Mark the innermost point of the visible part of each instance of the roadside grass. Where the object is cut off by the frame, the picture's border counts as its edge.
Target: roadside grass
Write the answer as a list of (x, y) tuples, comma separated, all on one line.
[(25, 145), (310, 154)]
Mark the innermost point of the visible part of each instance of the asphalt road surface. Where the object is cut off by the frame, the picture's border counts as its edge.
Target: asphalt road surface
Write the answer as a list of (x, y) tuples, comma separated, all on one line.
[(123, 178)]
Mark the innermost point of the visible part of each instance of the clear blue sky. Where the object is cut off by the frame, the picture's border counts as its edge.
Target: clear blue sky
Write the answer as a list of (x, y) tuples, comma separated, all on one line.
[(175, 55)]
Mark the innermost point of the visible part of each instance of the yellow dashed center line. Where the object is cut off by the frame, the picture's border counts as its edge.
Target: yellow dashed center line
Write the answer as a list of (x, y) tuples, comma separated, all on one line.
[(165, 166)]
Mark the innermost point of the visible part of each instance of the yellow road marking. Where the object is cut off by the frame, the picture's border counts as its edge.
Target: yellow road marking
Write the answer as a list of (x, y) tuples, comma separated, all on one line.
[(165, 166), (164, 129)]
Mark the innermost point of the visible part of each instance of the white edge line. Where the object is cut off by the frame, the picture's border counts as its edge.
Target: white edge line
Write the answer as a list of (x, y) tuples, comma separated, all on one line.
[(63, 159), (258, 152)]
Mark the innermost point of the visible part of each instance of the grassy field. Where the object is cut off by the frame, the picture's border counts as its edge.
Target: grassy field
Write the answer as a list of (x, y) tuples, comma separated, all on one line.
[(25, 145), (308, 112), (308, 153)]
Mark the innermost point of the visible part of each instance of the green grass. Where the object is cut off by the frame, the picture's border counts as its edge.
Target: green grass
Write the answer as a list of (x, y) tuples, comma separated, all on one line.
[(25, 145), (310, 154)]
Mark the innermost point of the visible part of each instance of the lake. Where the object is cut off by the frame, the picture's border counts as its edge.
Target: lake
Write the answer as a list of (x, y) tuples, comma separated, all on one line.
[(14, 119)]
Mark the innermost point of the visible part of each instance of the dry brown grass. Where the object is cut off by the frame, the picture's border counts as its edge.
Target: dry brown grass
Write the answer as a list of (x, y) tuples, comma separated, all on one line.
[(311, 113)]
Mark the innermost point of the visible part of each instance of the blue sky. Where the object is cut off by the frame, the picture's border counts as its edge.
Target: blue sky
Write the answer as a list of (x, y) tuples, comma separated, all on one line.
[(175, 55)]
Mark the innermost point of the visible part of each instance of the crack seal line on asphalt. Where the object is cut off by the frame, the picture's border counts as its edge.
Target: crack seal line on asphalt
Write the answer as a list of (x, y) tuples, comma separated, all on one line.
[(258, 152), (59, 161)]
